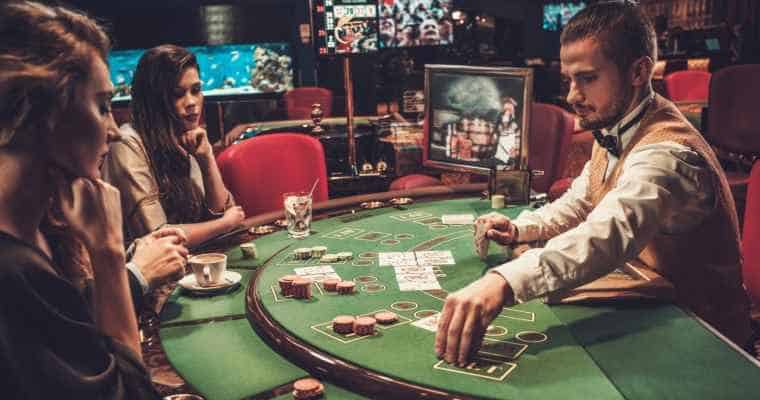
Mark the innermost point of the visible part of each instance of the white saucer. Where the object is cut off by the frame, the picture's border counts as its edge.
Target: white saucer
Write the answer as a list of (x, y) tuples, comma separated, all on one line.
[(231, 278)]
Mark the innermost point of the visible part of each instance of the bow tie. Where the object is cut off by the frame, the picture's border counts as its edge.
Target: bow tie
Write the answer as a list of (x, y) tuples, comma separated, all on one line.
[(609, 142)]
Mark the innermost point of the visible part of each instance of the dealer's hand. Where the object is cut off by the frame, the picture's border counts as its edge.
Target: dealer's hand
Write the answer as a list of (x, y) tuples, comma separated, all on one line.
[(499, 228), (466, 315)]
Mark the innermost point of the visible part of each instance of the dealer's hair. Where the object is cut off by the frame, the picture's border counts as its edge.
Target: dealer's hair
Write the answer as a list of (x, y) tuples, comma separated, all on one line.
[(621, 28)]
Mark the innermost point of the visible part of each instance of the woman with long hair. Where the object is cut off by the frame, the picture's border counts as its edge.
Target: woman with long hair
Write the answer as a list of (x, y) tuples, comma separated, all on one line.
[(164, 165), (67, 326)]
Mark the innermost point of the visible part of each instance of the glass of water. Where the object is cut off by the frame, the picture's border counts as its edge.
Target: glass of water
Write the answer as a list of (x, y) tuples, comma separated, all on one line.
[(298, 213)]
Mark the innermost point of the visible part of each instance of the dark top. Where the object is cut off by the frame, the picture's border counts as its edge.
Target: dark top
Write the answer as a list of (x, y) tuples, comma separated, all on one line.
[(49, 345)]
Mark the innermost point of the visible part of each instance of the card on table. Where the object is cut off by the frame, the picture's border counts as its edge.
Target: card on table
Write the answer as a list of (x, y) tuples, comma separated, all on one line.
[(395, 258), (317, 273), (413, 277), (457, 219), (429, 323), (435, 257)]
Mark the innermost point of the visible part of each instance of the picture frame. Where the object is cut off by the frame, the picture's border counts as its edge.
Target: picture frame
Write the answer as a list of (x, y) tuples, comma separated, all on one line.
[(514, 185), (477, 118)]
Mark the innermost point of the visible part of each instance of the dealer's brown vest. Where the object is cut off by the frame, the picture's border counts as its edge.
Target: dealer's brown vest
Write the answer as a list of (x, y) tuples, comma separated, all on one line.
[(704, 263)]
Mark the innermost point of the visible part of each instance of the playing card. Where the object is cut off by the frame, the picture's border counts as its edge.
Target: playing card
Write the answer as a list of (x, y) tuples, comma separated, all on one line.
[(457, 219), (318, 273), (435, 257), (394, 258), (430, 323), (413, 277), (480, 241)]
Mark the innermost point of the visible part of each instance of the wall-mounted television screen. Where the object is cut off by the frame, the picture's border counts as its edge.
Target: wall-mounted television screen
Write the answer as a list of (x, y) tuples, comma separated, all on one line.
[(408, 23), (345, 26), (225, 70), (477, 117), (556, 15)]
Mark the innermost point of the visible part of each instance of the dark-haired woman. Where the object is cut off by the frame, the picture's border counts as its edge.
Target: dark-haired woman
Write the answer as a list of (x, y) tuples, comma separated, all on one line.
[(67, 326), (164, 165)]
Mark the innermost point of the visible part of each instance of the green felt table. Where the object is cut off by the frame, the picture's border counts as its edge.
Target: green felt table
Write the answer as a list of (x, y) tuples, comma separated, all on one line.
[(532, 351)]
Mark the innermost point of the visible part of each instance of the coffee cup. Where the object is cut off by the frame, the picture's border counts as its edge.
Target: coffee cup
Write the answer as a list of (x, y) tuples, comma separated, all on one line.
[(208, 268)]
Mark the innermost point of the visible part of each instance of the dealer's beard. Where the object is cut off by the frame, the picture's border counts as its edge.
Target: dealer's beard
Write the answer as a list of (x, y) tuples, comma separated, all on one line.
[(616, 113)]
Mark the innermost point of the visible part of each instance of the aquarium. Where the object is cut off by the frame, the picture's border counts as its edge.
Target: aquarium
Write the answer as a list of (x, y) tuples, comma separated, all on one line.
[(233, 69)]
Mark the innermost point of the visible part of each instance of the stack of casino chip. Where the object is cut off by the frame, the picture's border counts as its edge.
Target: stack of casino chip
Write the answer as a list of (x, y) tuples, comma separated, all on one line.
[(307, 389), (364, 326), (331, 284), (302, 253), (318, 251), (301, 288), (345, 256), (329, 258), (286, 284), (343, 324), (386, 317), (345, 287)]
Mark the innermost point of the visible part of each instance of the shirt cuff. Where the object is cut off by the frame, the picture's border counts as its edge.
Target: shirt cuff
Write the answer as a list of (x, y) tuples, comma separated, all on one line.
[(527, 232), (139, 276), (524, 275)]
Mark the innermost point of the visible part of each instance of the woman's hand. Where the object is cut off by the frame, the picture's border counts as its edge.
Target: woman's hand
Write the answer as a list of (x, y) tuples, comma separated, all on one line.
[(234, 216), (195, 142), (92, 209), (161, 256)]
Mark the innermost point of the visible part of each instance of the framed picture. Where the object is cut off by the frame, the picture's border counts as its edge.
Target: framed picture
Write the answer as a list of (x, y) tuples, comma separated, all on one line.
[(477, 118), (514, 185)]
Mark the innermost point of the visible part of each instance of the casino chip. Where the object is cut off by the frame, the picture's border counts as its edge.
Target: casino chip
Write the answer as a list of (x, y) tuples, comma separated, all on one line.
[(286, 283), (386, 317), (302, 253), (364, 326), (331, 284), (318, 251), (345, 256), (307, 389), (301, 288), (346, 287), (343, 324)]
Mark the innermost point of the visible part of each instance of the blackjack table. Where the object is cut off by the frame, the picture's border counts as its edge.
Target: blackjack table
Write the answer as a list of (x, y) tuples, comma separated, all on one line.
[(254, 340)]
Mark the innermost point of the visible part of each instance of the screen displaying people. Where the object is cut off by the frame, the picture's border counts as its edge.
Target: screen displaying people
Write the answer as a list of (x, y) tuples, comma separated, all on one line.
[(408, 23), (475, 119)]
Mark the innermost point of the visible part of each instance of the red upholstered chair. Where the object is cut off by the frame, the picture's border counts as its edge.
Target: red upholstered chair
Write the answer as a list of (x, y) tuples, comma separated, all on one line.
[(688, 85), (551, 130), (414, 181), (259, 170), (751, 237), (733, 123), (298, 101)]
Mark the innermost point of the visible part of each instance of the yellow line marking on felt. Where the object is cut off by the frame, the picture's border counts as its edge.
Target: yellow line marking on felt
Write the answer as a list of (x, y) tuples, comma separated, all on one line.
[(512, 366)]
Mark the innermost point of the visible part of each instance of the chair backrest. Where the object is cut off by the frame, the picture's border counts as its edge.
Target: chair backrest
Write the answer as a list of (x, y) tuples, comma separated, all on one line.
[(733, 120), (551, 129), (688, 85), (298, 101), (259, 170), (751, 237)]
